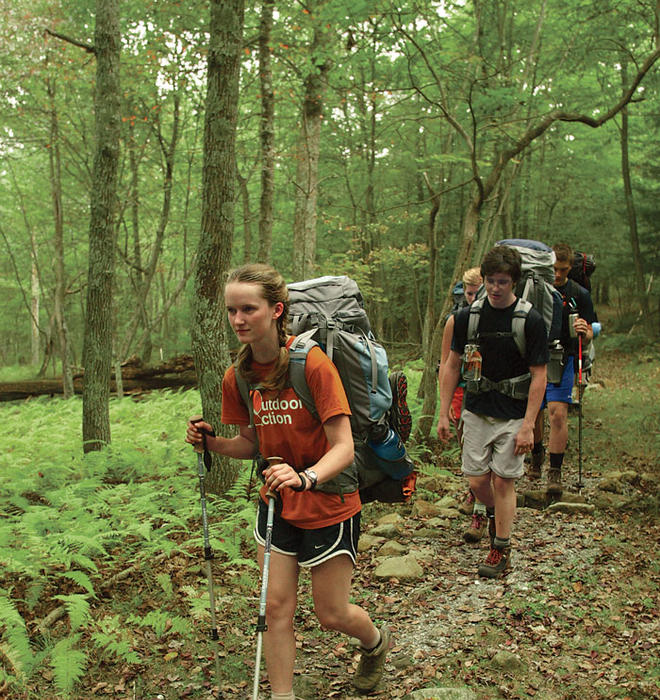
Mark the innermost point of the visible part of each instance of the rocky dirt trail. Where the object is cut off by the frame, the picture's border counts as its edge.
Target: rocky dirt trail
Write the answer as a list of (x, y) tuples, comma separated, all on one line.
[(577, 617)]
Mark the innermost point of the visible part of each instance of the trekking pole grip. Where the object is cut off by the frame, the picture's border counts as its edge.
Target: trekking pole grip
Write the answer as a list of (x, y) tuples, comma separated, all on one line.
[(200, 448), (272, 461)]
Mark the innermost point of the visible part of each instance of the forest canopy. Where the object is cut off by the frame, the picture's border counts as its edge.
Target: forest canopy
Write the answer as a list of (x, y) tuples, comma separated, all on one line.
[(422, 109)]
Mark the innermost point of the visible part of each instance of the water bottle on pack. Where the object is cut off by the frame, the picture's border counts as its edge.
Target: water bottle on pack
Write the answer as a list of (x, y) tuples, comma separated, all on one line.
[(388, 446)]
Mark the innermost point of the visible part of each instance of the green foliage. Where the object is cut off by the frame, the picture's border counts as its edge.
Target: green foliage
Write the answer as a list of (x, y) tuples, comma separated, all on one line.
[(68, 663), (112, 636), (72, 520), (77, 608), (162, 623), (15, 646)]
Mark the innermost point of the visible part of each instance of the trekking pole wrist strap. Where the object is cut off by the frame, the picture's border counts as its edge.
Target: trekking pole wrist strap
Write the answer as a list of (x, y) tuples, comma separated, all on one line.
[(303, 483)]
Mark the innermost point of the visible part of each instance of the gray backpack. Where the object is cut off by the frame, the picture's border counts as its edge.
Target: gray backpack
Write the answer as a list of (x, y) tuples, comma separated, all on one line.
[(329, 312)]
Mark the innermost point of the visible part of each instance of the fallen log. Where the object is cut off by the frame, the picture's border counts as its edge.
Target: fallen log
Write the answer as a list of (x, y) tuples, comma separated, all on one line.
[(178, 373)]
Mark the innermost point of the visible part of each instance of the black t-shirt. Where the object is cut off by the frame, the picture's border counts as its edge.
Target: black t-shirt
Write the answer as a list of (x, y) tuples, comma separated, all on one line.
[(576, 300), (500, 356)]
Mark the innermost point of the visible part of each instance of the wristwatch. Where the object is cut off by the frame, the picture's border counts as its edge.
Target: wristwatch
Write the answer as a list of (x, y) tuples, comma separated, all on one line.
[(313, 478)]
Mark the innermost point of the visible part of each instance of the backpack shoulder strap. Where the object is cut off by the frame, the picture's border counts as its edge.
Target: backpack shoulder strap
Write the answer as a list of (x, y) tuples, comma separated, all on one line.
[(244, 390), (298, 351), (520, 313), (473, 319)]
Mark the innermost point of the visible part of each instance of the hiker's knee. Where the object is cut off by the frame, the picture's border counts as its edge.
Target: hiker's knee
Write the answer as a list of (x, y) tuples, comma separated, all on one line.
[(332, 617), (502, 486), (557, 415), (280, 609)]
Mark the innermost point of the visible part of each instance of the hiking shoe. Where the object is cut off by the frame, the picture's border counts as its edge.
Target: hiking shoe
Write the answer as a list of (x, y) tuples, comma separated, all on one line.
[(497, 563), (468, 504), (370, 668), (400, 417), (535, 464), (477, 528), (554, 481)]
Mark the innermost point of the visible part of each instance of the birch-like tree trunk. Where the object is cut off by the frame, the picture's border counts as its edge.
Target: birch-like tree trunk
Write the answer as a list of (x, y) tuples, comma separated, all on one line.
[(97, 345), (55, 164), (35, 297)]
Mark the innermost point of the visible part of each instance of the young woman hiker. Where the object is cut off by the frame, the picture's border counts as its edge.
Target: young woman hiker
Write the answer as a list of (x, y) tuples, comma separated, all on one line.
[(317, 518)]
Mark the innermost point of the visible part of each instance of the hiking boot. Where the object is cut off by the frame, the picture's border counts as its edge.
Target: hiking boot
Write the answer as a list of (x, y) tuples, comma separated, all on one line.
[(477, 528), (554, 481), (535, 464), (400, 417), (497, 563), (468, 504), (370, 668)]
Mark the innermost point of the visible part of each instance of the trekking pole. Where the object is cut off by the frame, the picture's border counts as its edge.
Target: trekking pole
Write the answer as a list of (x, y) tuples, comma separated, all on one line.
[(204, 460), (579, 484), (261, 619)]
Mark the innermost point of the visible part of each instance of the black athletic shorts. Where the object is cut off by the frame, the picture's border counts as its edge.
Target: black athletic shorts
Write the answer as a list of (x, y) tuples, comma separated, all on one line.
[(310, 547)]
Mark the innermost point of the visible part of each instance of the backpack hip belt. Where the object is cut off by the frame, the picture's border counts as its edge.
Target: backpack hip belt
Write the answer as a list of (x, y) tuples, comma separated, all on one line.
[(515, 387)]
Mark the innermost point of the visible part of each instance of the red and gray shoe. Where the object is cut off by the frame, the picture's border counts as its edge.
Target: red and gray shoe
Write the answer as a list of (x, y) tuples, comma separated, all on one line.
[(467, 506), (497, 563), (400, 417), (477, 528)]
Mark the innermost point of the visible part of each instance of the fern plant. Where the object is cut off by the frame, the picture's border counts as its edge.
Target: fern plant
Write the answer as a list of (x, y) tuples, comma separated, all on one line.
[(68, 664), (15, 643), (112, 636), (162, 623)]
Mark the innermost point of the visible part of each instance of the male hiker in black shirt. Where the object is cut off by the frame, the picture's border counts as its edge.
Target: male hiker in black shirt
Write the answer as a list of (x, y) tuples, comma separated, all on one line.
[(504, 390)]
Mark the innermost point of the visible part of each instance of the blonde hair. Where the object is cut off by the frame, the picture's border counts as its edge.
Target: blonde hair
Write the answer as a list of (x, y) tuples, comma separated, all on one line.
[(274, 291), (472, 276)]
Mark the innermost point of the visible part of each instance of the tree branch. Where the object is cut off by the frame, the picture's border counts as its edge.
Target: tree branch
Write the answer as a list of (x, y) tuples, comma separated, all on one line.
[(90, 48)]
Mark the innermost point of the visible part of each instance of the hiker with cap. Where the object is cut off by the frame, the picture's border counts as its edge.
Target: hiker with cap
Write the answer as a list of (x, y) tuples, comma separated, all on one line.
[(315, 527), (504, 389), (577, 319)]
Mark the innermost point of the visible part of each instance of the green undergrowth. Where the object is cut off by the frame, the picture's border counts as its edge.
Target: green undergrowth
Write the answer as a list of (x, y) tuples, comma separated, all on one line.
[(77, 529), (624, 393)]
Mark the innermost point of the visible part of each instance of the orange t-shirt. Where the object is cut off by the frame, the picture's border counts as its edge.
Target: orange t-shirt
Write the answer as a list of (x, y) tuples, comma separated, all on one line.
[(287, 429)]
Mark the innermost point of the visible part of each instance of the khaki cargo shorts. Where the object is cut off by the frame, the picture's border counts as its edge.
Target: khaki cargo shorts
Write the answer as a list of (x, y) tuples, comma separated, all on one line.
[(488, 445)]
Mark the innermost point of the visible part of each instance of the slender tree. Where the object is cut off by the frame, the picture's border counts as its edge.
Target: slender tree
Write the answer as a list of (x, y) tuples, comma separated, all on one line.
[(630, 201), (55, 163), (267, 131), (307, 155), (97, 345)]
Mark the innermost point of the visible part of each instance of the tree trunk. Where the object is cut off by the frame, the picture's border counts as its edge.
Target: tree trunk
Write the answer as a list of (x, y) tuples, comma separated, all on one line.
[(209, 341), (469, 233), (144, 276), (97, 346), (138, 275), (267, 130), (630, 203), (55, 165), (35, 344), (307, 160), (244, 193)]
